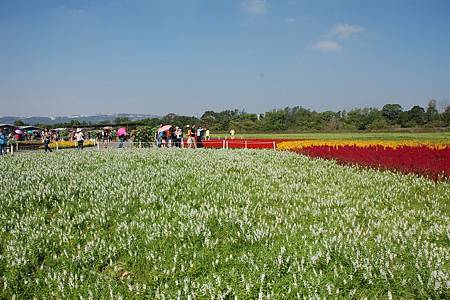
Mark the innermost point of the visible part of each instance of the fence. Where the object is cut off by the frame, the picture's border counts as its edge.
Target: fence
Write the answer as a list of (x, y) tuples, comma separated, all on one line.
[(213, 143), (217, 144)]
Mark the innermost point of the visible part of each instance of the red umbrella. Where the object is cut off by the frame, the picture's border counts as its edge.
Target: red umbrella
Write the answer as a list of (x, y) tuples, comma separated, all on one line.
[(121, 131), (164, 128)]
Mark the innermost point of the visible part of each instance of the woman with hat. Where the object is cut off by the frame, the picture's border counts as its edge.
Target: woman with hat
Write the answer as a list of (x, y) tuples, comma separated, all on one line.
[(80, 139)]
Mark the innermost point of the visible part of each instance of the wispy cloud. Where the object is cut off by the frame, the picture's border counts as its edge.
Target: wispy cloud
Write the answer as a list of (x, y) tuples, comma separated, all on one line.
[(345, 30), (290, 20), (254, 7), (327, 46)]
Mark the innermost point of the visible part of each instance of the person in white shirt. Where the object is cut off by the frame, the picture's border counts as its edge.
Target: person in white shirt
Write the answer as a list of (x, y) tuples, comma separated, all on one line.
[(232, 132), (79, 136)]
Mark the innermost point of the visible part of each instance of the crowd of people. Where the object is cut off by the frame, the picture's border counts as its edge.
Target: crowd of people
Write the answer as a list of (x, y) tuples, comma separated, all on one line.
[(166, 136), (170, 136)]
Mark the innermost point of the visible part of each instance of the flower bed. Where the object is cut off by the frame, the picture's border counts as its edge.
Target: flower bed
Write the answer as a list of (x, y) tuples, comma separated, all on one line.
[(241, 224), (68, 144), (298, 144), (430, 160)]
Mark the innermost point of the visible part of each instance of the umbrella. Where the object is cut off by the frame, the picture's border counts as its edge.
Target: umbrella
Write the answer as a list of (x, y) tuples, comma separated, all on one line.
[(164, 128), (107, 128), (18, 131), (121, 131)]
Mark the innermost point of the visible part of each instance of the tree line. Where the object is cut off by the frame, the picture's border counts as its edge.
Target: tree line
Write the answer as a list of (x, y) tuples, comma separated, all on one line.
[(298, 118)]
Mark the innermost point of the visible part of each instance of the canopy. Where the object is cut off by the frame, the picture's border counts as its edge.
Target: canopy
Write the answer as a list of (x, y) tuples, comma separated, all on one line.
[(164, 128), (121, 131)]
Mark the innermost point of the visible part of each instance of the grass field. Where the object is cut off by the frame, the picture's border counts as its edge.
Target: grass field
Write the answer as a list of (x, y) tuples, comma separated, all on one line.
[(204, 223), (439, 137)]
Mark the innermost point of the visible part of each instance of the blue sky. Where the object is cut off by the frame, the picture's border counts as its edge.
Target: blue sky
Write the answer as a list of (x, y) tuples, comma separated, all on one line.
[(188, 56)]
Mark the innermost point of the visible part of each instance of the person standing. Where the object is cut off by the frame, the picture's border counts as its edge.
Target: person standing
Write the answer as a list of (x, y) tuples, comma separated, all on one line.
[(79, 136), (207, 134), (200, 133), (191, 136), (232, 132), (47, 140), (177, 137), (122, 139), (3, 142)]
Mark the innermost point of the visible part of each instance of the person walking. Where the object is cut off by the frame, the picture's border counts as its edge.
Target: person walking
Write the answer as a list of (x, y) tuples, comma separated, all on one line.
[(79, 136), (3, 142), (122, 139), (47, 140)]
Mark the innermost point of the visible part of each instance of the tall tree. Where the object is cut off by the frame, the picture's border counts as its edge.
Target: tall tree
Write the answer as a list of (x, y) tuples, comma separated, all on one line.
[(446, 116), (391, 113), (432, 113), (417, 115)]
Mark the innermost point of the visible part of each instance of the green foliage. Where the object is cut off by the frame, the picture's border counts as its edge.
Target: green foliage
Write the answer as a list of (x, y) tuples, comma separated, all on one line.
[(64, 134), (446, 116), (19, 123), (297, 119), (391, 113), (417, 115), (93, 134), (122, 121), (145, 135)]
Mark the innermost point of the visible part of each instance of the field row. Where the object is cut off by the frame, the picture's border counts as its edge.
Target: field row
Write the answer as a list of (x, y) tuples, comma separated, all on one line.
[(425, 158)]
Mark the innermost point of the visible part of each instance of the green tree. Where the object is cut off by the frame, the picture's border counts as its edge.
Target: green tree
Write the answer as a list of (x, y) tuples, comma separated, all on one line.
[(19, 123), (275, 120), (446, 116), (145, 135), (391, 113), (379, 123), (432, 113), (121, 121), (417, 115)]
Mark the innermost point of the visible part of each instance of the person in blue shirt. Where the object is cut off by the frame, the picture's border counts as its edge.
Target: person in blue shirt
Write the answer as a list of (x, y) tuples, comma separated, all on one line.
[(3, 142)]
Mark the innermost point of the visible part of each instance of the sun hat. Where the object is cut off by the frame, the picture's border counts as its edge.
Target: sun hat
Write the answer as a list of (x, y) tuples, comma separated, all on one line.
[(78, 129)]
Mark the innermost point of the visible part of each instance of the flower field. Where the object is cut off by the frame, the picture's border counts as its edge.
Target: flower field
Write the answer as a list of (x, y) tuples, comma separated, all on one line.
[(423, 158), (196, 224), (298, 144)]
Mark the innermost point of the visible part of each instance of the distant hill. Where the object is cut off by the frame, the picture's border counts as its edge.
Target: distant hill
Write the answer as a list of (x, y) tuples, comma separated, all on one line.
[(82, 118)]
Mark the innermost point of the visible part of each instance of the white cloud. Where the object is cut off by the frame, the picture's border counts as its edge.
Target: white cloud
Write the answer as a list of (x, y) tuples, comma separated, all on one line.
[(290, 20), (327, 46), (345, 30), (254, 7)]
